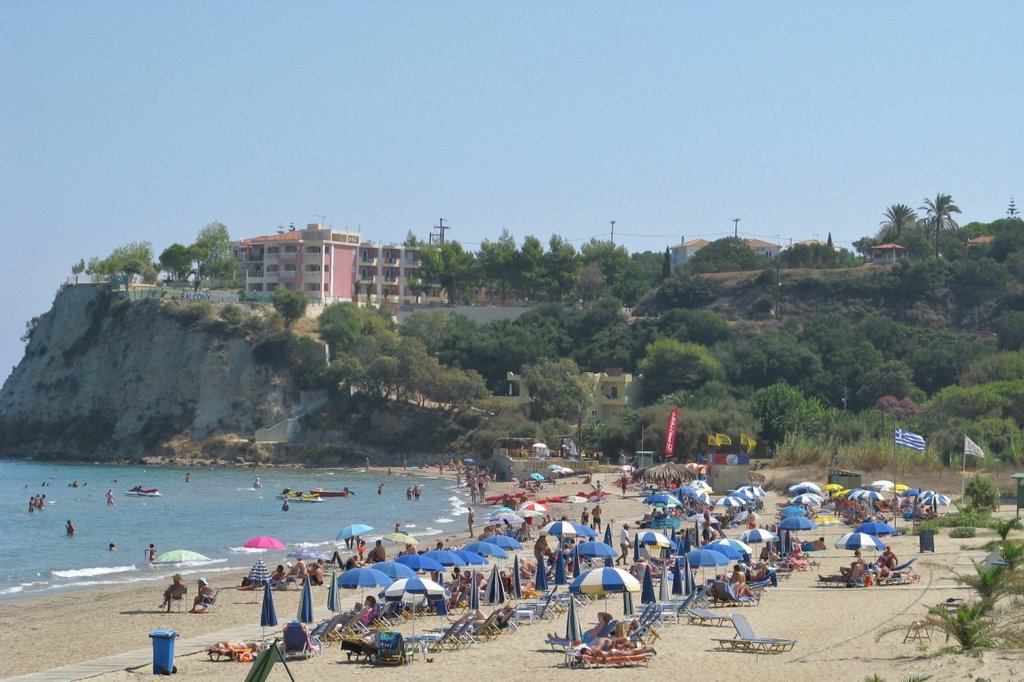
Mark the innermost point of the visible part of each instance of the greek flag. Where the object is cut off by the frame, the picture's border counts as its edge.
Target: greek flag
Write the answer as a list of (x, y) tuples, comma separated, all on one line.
[(909, 439)]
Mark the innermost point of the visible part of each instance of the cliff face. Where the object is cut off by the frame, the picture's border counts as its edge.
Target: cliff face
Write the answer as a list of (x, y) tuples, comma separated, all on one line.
[(104, 379)]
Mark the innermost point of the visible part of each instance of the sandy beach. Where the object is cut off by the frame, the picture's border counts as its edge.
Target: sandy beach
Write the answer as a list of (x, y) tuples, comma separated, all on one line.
[(840, 633)]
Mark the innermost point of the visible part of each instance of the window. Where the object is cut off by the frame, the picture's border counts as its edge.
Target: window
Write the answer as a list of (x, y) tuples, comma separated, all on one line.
[(313, 268), (615, 392), (313, 287), (273, 249), (291, 249), (312, 249), (593, 413), (289, 268)]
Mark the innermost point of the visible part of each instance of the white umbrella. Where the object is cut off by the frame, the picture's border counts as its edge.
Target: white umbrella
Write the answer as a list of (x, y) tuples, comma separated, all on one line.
[(757, 535), (881, 485), (806, 499), (732, 501), (805, 487), (859, 541)]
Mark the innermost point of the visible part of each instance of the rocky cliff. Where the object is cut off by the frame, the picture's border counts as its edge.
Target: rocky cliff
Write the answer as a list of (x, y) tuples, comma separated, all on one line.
[(106, 379)]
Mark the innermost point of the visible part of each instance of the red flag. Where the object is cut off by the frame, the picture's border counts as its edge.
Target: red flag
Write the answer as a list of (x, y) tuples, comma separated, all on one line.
[(670, 432)]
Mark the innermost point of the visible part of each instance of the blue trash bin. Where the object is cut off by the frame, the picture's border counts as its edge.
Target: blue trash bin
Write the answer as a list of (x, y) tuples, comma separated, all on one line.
[(163, 651)]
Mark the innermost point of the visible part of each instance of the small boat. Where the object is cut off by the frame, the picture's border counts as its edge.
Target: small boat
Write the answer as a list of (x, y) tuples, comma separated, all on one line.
[(139, 491), (330, 493), (298, 496)]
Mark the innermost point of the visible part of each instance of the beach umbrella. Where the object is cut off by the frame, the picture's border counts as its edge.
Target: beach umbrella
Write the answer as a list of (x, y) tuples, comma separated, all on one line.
[(875, 528), (833, 487), (704, 558), (486, 548), (353, 530), (608, 535), (805, 487), (598, 581), (728, 550), (732, 502), (419, 562), (560, 529), (364, 577), (870, 495), (401, 538), (333, 597), (554, 467), (307, 554), (685, 545), (663, 499), (636, 547), (264, 542), (663, 585), (392, 569), (268, 616), (901, 487), (677, 578), (910, 492), (596, 550), (512, 519), (584, 531), (505, 542), (936, 499), (797, 523), (758, 535), (576, 559), (699, 484), (534, 507), (825, 520), (445, 557), (536, 476), (688, 584), (502, 510), (737, 545), (474, 592), (573, 629), (305, 612), (575, 499), (881, 485), (560, 577), (471, 558), (647, 591), (753, 491), (259, 574), (793, 511), (180, 556), (541, 579), (859, 541), (650, 538), (627, 604), (413, 590), (495, 593), (517, 581), (807, 499)]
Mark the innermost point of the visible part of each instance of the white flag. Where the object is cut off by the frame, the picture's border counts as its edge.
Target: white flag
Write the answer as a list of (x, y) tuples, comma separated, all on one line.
[(972, 448)]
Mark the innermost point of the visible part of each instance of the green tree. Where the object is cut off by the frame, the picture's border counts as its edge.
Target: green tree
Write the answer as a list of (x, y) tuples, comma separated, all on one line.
[(339, 324), (669, 366), (613, 260), (290, 304), (562, 269), (1009, 328), (898, 219), (940, 215), (500, 265), (783, 410), (726, 255), (556, 390), (176, 261), (981, 493), (532, 279), (449, 266), (212, 251)]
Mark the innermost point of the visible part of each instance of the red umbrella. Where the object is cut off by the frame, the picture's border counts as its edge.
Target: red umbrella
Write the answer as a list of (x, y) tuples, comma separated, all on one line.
[(264, 542)]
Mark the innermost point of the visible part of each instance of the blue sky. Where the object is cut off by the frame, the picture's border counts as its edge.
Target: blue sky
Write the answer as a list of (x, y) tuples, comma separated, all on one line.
[(126, 121)]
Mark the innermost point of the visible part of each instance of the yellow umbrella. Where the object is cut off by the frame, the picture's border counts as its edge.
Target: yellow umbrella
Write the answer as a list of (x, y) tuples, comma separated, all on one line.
[(401, 538), (833, 487), (901, 487), (825, 520), (841, 494)]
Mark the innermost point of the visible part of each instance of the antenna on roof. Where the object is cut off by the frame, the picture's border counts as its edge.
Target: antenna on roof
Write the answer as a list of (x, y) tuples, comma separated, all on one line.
[(280, 229), (291, 227)]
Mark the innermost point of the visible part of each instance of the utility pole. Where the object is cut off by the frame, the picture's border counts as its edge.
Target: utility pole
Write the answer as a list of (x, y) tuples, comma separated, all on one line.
[(613, 230), (736, 227), (441, 227)]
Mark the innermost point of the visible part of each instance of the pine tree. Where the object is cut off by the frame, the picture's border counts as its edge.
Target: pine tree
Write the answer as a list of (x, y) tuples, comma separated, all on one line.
[(1012, 210), (829, 242)]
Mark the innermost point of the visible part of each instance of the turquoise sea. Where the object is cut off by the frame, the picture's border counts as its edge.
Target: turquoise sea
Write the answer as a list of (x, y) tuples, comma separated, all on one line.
[(214, 515)]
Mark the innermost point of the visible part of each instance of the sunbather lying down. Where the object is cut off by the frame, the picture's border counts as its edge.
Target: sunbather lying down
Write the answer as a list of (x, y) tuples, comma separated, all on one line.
[(616, 648), (234, 650)]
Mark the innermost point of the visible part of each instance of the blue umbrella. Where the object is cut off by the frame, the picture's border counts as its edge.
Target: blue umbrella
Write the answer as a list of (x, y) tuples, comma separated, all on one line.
[(268, 616), (471, 558), (541, 580), (486, 548), (419, 562), (537, 477), (627, 603), (584, 531), (596, 550), (573, 629), (797, 523), (647, 594), (576, 559), (354, 530), (517, 582), (857, 540), (636, 548), (440, 605), (560, 577), (495, 593), (445, 557), (308, 554), (706, 557), (787, 542), (875, 528), (728, 550), (608, 536), (688, 583), (663, 499), (793, 511), (560, 529), (686, 546), (911, 492), (305, 613), (366, 577), (677, 579), (393, 570), (333, 598), (474, 593), (505, 542)]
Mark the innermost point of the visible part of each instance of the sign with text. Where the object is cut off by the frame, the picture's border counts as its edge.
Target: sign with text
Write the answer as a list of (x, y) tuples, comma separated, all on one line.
[(218, 296), (670, 431)]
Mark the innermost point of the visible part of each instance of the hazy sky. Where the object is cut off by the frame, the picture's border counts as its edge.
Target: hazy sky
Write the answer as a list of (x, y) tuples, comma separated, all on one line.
[(123, 121)]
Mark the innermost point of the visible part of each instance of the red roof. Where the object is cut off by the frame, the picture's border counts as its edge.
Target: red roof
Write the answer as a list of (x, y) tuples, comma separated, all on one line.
[(888, 247)]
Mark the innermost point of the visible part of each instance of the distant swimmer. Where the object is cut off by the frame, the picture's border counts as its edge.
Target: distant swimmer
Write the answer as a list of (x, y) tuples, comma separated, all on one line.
[(380, 488), (152, 552), (113, 547), (285, 506), (188, 477), (256, 484), (110, 497), (70, 527), (31, 504)]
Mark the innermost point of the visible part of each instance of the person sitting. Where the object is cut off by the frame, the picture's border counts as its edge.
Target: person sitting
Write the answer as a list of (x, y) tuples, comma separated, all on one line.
[(297, 573), (176, 590), (278, 576), (768, 553), (797, 560), (886, 563), (377, 554), (855, 573), (316, 573), (370, 611), (603, 618), (738, 580), (204, 598)]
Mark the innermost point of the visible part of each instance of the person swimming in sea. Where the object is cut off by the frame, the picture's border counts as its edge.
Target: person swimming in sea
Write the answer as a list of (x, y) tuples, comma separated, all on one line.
[(256, 484)]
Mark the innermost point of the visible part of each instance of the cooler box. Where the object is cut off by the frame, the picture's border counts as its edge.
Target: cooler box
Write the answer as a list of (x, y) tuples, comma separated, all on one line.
[(163, 651)]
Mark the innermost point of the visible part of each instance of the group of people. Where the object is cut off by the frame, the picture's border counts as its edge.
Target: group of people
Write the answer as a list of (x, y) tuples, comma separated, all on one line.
[(36, 502), (205, 594)]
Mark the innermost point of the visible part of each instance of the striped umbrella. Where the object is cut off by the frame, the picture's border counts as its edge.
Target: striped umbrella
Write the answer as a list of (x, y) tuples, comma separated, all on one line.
[(259, 574), (333, 597), (936, 499), (806, 499), (495, 593), (732, 502), (758, 535), (413, 590), (647, 592), (534, 506), (752, 491), (517, 582), (305, 612), (560, 529), (859, 541), (741, 547), (573, 629), (650, 538), (268, 616), (541, 580), (560, 577), (599, 581)]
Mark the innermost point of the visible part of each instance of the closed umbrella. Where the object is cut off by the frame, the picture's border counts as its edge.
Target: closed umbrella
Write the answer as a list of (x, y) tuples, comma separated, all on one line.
[(688, 584), (647, 594), (474, 593), (627, 604), (677, 579), (560, 577), (576, 559), (573, 629), (541, 580), (636, 548), (333, 598), (517, 582), (268, 616), (305, 612), (608, 536), (495, 593), (663, 588)]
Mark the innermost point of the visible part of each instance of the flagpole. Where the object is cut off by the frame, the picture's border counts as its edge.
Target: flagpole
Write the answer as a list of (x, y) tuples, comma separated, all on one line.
[(894, 505), (963, 474)]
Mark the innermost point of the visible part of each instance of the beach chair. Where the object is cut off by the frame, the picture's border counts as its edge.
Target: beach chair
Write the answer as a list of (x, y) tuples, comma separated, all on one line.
[(584, 658), (325, 630), (488, 629), (298, 642), (264, 663), (390, 649), (231, 650), (437, 642), (646, 632), (747, 642), (556, 642), (724, 594), (831, 581), (699, 614), (902, 574)]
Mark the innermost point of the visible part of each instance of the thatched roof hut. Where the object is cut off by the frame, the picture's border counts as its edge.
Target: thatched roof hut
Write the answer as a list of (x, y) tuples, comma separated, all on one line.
[(663, 474)]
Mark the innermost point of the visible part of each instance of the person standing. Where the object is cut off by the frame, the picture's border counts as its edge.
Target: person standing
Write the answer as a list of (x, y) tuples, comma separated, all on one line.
[(70, 527), (110, 497), (624, 544), (472, 517), (596, 516), (152, 552)]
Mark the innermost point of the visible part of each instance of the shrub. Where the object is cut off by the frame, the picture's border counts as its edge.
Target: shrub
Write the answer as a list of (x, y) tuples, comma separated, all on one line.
[(962, 532), (981, 493)]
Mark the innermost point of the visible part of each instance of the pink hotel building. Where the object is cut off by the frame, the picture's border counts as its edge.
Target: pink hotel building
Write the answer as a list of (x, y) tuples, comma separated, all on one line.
[(329, 266)]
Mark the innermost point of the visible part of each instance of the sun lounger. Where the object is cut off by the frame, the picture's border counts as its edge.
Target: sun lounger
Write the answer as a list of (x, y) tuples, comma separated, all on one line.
[(746, 641), (232, 650), (699, 616), (831, 581), (724, 594), (390, 649), (438, 641), (556, 642), (903, 574), (584, 657), (298, 642), (359, 648)]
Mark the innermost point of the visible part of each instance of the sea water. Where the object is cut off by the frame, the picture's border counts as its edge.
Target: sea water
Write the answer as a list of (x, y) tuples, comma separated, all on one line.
[(214, 515)]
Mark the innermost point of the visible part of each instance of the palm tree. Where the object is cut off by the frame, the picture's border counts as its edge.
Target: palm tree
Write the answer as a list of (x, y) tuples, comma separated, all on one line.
[(940, 215), (899, 217)]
